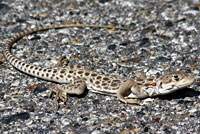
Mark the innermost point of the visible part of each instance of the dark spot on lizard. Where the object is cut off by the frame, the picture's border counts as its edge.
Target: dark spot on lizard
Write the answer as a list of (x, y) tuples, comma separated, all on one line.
[(114, 84), (71, 66), (104, 84), (97, 82), (87, 73), (71, 71), (106, 88), (78, 66), (106, 79), (80, 72), (62, 71), (116, 81), (94, 74), (99, 77), (20, 63), (138, 79), (91, 80), (54, 71), (149, 79), (98, 86)]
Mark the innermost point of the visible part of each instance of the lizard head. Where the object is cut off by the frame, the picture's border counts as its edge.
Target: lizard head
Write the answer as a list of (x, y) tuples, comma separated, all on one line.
[(162, 85), (172, 82), (142, 86)]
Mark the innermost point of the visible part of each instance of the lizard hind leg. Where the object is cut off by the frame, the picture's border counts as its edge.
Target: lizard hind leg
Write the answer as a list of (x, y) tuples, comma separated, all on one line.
[(61, 90), (77, 87)]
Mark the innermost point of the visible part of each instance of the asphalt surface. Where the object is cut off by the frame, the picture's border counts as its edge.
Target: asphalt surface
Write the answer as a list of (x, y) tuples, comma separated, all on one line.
[(163, 37)]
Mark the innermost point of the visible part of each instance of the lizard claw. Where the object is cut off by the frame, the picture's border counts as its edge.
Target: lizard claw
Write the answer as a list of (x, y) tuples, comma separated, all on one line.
[(59, 95)]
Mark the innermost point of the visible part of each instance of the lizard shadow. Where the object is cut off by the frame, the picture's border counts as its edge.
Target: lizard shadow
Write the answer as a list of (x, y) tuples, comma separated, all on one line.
[(180, 94)]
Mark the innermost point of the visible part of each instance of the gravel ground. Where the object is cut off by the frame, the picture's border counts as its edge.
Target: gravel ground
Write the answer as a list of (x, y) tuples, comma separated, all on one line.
[(164, 37)]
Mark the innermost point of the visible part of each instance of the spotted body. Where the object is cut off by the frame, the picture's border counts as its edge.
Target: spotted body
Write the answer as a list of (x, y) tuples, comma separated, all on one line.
[(75, 79)]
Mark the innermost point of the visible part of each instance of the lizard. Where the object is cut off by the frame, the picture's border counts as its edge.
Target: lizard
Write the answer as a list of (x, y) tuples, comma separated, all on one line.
[(75, 79)]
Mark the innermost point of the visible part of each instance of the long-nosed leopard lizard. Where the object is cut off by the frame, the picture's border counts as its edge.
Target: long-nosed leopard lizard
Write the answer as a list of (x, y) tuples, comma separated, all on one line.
[(75, 79)]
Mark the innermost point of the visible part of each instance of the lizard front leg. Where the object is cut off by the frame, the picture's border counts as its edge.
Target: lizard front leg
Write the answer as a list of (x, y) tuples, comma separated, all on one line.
[(125, 90), (129, 91)]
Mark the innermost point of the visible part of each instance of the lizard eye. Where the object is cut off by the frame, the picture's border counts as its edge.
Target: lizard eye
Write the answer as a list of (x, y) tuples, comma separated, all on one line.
[(176, 78)]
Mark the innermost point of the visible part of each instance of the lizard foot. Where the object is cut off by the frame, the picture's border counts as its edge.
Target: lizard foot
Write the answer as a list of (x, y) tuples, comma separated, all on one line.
[(60, 95)]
